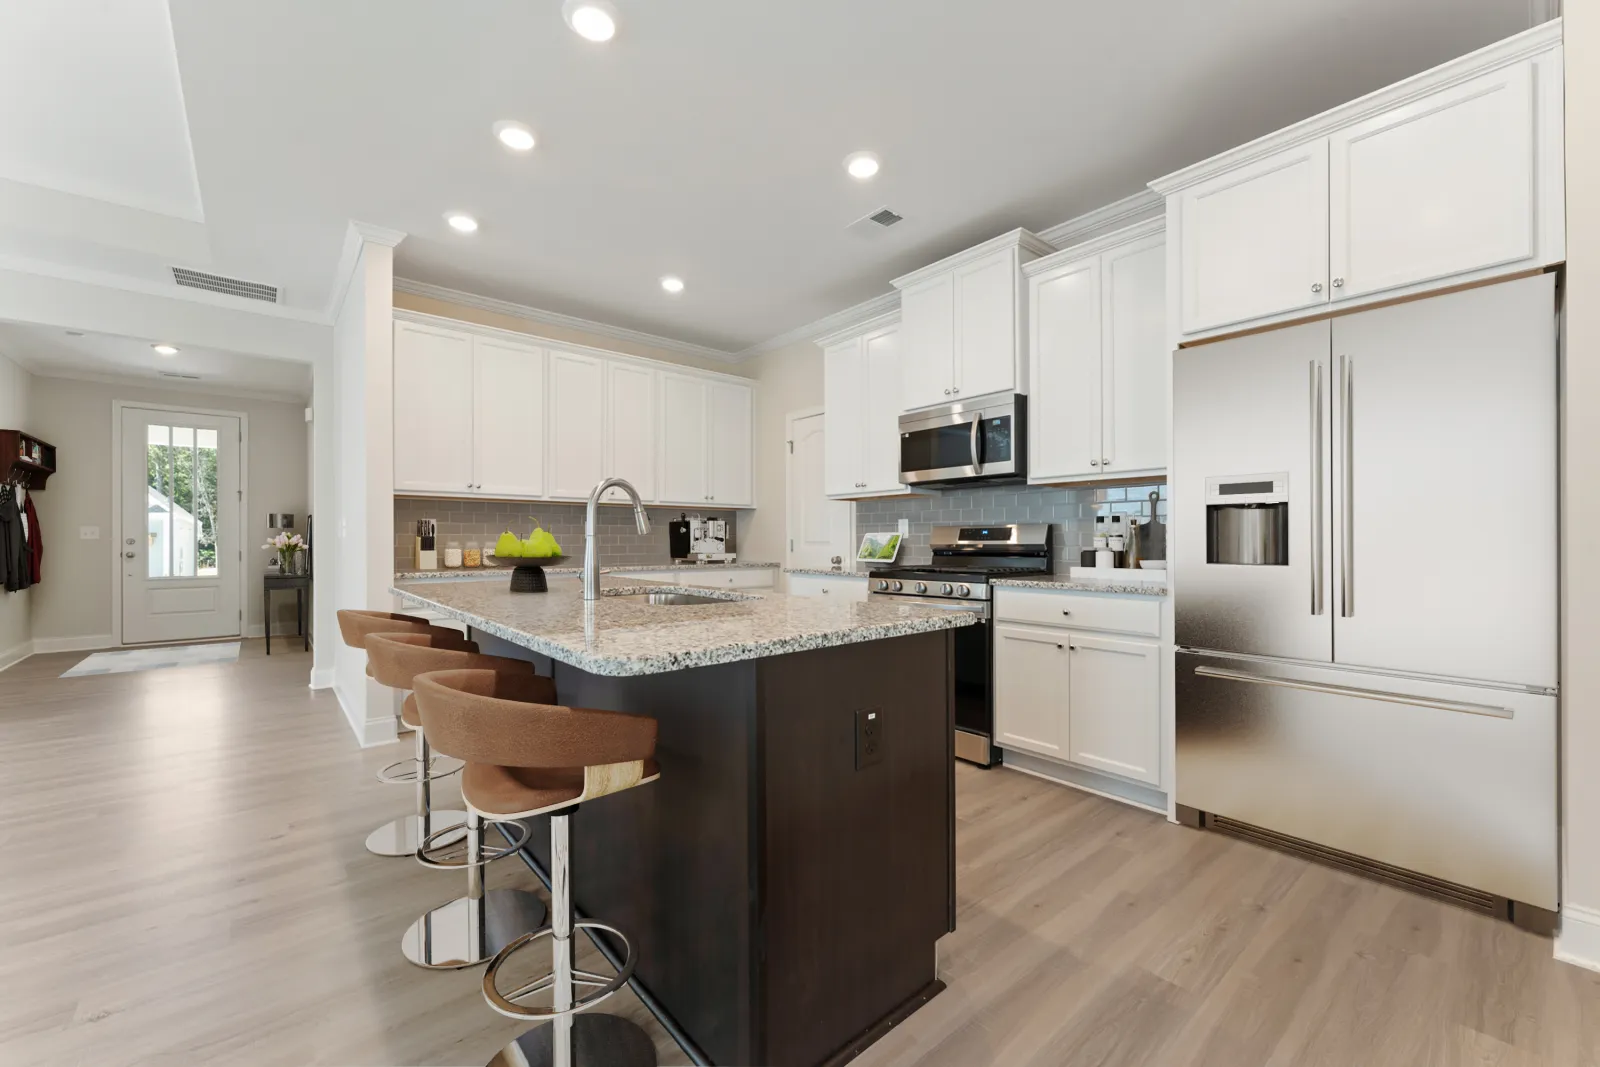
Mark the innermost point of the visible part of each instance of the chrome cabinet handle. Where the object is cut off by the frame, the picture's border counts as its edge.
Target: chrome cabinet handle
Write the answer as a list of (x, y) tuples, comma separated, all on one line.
[(972, 441), (955, 390), (1347, 572), (1316, 488), (1094, 463), (947, 392), (130, 555), (1351, 691), (1338, 283), (1105, 461), (1316, 287)]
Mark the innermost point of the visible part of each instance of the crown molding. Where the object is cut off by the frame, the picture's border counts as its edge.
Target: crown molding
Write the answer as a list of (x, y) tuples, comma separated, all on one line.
[(1130, 209), (1543, 38), (850, 318), (556, 318), (1095, 245), (1023, 239), (857, 329), (378, 235), (356, 235)]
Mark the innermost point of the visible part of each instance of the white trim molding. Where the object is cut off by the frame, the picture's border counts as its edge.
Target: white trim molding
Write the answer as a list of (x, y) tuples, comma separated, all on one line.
[(90, 643), (321, 679), (356, 234), (846, 321), (1024, 239), (1096, 245), (556, 318), (1142, 205), (13, 656), (1578, 943), (856, 329), (369, 732)]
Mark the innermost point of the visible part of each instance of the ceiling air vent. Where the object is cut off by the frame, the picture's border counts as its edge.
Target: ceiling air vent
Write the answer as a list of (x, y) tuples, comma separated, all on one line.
[(177, 374), (880, 219), (216, 283), (884, 217)]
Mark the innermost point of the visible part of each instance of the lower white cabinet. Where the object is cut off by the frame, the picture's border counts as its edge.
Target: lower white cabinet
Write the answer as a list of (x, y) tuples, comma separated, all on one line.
[(1077, 696), (844, 587)]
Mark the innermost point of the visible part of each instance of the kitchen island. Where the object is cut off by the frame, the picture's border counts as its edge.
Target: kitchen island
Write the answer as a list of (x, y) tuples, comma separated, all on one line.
[(785, 880)]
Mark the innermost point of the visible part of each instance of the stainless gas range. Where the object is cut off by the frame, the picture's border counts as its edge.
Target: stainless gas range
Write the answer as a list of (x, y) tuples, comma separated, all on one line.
[(965, 559)]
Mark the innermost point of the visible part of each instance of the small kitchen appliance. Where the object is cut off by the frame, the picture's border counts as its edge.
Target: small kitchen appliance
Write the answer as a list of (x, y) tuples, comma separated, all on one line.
[(982, 439), (965, 559)]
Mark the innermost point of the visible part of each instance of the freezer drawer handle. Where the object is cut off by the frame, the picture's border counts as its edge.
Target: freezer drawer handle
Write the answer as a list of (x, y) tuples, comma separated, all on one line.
[(1350, 691)]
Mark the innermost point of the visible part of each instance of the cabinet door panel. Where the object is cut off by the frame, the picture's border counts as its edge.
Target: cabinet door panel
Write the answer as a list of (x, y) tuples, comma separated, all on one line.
[(927, 342), (1114, 707), (1030, 690), (1064, 407), (1255, 240), (1438, 187), (880, 418), (577, 424), (631, 429), (843, 397), (508, 424), (683, 440), (730, 443), (986, 326), (1133, 432), (432, 410)]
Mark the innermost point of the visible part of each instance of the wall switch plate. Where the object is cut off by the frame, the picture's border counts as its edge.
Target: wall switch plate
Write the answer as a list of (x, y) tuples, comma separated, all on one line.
[(869, 737), (88, 533)]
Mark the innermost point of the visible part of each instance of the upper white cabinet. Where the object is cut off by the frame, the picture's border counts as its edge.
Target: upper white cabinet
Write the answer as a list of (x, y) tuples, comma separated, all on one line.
[(1098, 358), (861, 397), (1448, 178), (479, 412), (962, 321)]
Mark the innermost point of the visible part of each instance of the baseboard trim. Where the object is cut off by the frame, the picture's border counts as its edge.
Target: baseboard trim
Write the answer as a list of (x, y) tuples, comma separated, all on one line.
[(322, 678), (1090, 781), (13, 656), (1578, 943), (91, 643), (369, 733)]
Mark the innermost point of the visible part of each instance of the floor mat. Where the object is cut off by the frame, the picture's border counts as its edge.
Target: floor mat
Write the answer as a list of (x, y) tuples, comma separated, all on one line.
[(152, 659)]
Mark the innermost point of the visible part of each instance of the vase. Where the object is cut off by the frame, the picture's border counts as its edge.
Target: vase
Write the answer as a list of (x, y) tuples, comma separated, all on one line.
[(286, 560)]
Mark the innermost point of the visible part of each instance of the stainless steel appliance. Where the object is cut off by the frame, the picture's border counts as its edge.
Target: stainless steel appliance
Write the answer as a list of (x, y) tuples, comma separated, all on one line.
[(980, 439), (1356, 677), (965, 558)]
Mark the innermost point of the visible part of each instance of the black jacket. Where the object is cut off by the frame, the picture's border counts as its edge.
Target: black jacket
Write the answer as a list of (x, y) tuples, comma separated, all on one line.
[(16, 568)]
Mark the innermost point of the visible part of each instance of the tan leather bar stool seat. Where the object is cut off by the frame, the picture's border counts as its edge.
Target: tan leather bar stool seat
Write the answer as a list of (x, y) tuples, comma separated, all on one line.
[(355, 625), (525, 757)]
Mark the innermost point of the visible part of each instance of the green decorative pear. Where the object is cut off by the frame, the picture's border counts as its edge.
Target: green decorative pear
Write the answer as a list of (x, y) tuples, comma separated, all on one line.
[(507, 546)]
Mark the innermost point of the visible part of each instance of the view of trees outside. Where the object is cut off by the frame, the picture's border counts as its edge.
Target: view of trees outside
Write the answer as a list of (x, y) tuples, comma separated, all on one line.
[(182, 469)]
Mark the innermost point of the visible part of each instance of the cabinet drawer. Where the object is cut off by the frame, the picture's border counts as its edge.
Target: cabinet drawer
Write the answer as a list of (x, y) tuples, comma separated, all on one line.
[(743, 578), (1082, 611), (844, 587)]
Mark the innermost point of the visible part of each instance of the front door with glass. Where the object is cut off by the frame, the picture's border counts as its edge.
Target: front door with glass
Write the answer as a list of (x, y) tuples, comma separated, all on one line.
[(179, 547)]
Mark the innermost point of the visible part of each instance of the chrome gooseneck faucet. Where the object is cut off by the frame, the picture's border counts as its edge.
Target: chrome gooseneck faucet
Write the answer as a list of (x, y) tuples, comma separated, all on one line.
[(591, 559)]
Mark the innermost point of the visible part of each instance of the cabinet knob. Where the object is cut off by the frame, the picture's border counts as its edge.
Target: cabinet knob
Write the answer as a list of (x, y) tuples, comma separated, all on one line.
[(1061, 646), (1105, 462), (1338, 283), (1316, 287), (1094, 463), (955, 390), (1066, 613), (947, 392)]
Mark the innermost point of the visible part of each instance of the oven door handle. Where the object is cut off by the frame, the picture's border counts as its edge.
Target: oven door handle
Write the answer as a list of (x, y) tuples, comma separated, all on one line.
[(972, 441)]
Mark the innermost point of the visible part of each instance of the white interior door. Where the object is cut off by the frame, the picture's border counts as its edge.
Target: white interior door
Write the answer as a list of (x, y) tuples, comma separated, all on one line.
[(819, 528), (179, 545)]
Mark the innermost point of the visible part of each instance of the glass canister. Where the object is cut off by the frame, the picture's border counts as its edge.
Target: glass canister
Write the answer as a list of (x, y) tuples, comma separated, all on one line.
[(452, 554), (472, 555)]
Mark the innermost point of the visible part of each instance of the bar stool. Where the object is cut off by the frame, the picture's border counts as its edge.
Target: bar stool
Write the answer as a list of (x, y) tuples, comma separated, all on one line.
[(448, 936), (402, 836), (525, 758)]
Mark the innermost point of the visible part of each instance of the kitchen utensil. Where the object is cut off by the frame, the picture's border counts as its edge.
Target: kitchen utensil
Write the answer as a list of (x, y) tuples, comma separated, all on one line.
[(1153, 540)]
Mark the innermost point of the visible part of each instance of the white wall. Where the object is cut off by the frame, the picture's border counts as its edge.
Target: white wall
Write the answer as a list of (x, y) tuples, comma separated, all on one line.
[(16, 631), (1580, 503), (787, 379), (75, 599)]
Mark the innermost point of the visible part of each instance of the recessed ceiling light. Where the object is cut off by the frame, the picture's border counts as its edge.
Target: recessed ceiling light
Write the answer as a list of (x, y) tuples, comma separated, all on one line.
[(164, 350), (861, 165), (461, 223), (672, 283), (514, 135), (595, 20)]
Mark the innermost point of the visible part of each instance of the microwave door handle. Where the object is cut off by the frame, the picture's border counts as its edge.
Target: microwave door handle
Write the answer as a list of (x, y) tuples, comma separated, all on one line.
[(972, 440)]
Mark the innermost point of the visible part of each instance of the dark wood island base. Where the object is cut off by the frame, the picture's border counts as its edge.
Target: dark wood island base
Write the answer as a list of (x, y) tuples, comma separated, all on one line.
[(786, 879)]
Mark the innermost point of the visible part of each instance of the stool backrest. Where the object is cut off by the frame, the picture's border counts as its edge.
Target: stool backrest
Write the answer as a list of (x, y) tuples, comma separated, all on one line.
[(396, 659), (496, 718), (354, 626)]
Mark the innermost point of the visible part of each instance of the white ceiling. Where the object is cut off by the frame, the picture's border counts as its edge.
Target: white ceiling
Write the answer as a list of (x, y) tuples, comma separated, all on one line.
[(51, 352), (705, 140)]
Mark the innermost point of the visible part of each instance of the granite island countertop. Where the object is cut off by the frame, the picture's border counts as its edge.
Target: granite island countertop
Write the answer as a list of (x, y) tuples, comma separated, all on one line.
[(619, 637), (503, 570)]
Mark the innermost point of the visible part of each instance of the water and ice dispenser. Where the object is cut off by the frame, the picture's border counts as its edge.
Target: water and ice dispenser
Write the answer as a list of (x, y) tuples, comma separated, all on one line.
[(1247, 520)]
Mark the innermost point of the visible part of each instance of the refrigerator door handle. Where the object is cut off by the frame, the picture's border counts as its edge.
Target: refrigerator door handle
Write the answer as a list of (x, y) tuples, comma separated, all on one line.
[(1351, 691), (1347, 573), (1316, 488)]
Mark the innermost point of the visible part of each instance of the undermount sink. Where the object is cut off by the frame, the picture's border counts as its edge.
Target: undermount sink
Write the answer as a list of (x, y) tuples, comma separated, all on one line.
[(667, 598)]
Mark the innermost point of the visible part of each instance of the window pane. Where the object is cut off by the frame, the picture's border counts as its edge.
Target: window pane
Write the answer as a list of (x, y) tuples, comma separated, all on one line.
[(158, 503), (183, 523), (206, 438), (205, 502)]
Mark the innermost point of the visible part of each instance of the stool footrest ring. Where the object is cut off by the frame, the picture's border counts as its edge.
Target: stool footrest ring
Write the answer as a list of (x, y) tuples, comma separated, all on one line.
[(506, 1004), (408, 774), (516, 834)]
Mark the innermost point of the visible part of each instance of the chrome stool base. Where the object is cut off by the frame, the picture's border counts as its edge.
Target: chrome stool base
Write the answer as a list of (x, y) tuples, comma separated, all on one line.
[(404, 836), (597, 1041), (448, 938)]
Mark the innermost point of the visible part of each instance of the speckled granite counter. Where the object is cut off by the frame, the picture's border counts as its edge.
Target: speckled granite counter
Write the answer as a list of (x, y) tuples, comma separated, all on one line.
[(504, 571), (1087, 585), (618, 637), (828, 572)]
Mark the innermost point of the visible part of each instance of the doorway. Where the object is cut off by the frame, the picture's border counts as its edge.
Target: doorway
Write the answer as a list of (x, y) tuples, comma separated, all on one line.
[(818, 528), (179, 558)]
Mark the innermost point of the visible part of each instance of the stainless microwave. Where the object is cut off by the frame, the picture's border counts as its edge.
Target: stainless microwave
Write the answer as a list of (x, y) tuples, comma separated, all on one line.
[(981, 439)]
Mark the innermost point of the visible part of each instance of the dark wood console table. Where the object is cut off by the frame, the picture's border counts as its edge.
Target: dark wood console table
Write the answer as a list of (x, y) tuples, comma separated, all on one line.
[(301, 584)]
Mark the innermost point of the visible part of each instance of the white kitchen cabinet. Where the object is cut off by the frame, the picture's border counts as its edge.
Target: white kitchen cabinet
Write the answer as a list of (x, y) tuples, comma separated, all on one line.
[(577, 437), (844, 400), (1437, 187), (683, 440), (1114, 707), (433, 398), (728, 431), (962, 321), (861, 398), (508, 418), (1453, 176), (631, 410), (1030, 689), (1099, 359), (848, 588)]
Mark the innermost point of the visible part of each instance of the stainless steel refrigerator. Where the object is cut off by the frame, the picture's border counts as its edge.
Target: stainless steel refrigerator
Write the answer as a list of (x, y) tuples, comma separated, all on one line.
[(1365, 552)]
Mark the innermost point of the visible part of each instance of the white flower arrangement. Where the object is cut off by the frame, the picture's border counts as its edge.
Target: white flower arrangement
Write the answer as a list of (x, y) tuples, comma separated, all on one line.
[(290, 541)]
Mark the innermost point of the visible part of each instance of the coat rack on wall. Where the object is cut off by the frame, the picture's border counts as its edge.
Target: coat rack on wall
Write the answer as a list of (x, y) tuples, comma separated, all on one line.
[(25, 460)]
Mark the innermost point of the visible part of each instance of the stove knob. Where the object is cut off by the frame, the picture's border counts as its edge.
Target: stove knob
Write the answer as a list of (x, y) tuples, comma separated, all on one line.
[(881, 585), (945, 589), (963, 590), (896, 586), (922, 587)]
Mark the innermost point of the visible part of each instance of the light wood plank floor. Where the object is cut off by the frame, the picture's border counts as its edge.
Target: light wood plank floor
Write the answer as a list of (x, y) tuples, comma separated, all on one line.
[(185, 884)]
